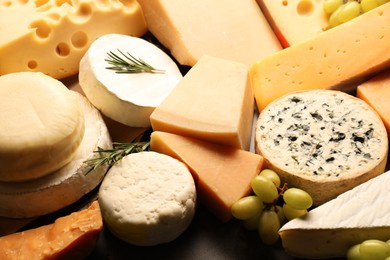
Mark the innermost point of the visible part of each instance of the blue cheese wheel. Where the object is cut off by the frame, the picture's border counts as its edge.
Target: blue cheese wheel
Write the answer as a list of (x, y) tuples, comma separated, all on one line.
[(323, 141)]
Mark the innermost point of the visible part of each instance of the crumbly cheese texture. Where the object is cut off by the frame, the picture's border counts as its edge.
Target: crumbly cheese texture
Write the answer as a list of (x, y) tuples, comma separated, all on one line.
[(331, 229), (148, 198), (42, 125), (128, 98), (52, 36), (229, 29), (323, 141), (66, 185)]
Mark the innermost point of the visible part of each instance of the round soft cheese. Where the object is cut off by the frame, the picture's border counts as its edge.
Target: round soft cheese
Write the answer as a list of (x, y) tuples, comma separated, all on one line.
[(128, 98), (41, 127), (66, 185), (323, 141), (148, 198)]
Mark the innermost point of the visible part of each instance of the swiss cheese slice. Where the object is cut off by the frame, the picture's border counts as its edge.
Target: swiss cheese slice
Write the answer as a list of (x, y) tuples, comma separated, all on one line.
[(331, 229), (42, 125), (51, 36), (128, 98), (213, 102), (229, 29), (337, 58), (222, 174), (66, 185)]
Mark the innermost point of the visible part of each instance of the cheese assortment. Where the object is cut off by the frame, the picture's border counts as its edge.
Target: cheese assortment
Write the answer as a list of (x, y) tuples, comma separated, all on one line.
[(60, 32)]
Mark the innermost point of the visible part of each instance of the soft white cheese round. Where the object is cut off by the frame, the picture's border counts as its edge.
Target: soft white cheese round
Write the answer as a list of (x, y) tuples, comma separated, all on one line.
[(41, 127), (128, 98), (66, 185), (148, 198)]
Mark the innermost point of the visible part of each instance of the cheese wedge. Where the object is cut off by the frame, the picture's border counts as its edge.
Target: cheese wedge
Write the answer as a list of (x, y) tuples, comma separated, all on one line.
[(213, 102), (128, 98), (51, 36), (70, 237), (335, 59), (376, 92), (331, 229), (229, 29), (66, 185), (222, 174), (42, 125)]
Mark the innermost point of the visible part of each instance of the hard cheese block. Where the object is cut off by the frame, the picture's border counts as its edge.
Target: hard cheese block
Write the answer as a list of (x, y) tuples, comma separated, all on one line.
[(235, 30), (52, 36), (336, 58), (222, 174), (295, 20), (214, 102), (331, 229), (376, 92)]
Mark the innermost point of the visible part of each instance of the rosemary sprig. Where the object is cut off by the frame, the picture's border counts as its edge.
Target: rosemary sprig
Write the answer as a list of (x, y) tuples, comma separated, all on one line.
[(111, 156), (129, 64)]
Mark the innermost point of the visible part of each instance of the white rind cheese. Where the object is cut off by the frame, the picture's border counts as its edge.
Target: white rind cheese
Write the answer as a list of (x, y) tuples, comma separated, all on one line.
[(128, 98), (148, 198), (323, 141), (332, 228), (64, 186)]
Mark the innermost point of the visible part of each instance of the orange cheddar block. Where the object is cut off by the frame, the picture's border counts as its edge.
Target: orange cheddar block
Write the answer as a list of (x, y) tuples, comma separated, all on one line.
[(376, 92), (73, 236), (339, 58), (222, 174)]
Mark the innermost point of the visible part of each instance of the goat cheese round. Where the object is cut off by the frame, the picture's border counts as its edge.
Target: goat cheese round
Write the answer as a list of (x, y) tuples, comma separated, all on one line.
[(41, 127), (148, 198), (66, 185), (323, 141), (128, 98)]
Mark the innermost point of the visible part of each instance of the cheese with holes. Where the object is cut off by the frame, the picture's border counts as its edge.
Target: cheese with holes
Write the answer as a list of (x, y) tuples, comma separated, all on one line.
[(148, 198), (70, 237), (331, 229), (51, 36), (376, 92), (295, 20), (42, 125), (229, 29), (128, 98), (222, 174), (322, 141), (335, 59), (66, 185), (213, 102)]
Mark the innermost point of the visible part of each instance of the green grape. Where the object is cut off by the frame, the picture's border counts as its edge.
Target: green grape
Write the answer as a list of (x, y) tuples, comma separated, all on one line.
[(334, 17), (269, 226), (253, 222), (331, 5), (354, 253), (272, 175), (265, 189), (297, 198), (247, 207), (279, 211), (292, 213), (349, 11), (388, 241), (367, 5), (374, 249)]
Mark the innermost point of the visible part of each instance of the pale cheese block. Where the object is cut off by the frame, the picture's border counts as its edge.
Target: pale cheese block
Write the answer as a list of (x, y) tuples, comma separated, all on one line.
[(322, 141), (52, 36), (66, 185), (128, 98), (213, 102), (148, 198), (331, 229), (338, 58), (229, 29), (42, 125)]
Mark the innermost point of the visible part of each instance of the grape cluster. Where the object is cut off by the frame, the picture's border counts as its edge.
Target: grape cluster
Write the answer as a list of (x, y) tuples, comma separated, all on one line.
[(271, 205), (341, 11), (371, 249)]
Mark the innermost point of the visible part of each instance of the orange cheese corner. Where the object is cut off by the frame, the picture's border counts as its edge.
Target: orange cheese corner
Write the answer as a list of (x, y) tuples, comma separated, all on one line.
[(222, 174)]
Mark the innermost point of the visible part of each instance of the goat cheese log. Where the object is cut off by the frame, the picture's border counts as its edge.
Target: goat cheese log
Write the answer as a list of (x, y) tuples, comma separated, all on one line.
[(323, 141)]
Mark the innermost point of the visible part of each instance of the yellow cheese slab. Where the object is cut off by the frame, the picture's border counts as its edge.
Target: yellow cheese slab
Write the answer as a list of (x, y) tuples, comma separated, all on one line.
[(334, 59), (222, 174), (213, 102)]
